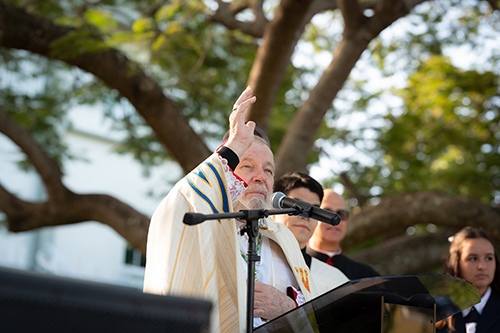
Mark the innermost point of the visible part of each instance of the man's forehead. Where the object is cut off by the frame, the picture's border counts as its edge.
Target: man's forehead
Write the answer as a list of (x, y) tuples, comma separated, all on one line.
[(251, 158), (304, 194), (259, 150), (331, 199)]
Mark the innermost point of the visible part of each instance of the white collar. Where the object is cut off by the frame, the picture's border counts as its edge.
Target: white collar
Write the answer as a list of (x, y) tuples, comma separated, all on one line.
[(479, 306), (330, 254)]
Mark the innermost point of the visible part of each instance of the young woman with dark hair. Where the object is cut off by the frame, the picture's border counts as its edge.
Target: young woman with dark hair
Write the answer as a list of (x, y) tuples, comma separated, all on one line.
[(472, 257)]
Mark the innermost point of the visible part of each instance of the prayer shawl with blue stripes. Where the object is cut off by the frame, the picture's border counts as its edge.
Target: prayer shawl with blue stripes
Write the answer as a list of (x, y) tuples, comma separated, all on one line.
[(203, 261)]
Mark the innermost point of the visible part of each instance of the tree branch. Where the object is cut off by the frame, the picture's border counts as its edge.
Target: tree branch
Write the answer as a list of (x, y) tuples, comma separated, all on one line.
[(153, 8), (9, 203), (421, 208), (387, 12), (226, 15), (495, 5), (353, 17), (351, 190), (48, 169), (125, 220), (281, 37), (301, 132), (23, 31), (322, 5), (63, 206), (407, 254), (273, 56)]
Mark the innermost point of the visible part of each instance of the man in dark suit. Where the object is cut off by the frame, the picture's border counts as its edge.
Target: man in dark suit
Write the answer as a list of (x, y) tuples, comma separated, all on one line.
[(325, 241)]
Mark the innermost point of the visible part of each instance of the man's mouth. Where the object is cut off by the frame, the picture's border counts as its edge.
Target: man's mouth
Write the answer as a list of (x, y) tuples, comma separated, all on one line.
[(254, 193), (302, 226), (332, 228)]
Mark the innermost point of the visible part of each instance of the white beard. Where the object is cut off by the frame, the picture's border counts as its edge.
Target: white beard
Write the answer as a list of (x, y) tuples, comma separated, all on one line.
[(255, 202)]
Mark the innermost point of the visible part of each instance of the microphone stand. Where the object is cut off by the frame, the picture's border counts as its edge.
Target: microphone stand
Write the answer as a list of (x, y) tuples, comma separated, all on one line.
[(251, 228)]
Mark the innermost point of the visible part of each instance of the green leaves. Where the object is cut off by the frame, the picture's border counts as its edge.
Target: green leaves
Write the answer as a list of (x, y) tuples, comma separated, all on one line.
[(444, 137), (441, 131), (142, 25), (101, 19), (449, 133)]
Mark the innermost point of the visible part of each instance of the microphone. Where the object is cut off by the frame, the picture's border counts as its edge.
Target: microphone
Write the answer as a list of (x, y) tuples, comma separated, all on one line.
[(304, 209)]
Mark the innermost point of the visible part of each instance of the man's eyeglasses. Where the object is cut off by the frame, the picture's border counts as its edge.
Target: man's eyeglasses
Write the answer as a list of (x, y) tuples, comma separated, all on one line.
[(343, 214)]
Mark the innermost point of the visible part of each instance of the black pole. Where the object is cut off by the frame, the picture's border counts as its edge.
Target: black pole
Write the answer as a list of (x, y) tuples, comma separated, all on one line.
[(252, 230)]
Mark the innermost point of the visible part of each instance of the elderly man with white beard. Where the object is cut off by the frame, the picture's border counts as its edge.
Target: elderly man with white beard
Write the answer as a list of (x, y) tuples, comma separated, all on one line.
[(208, 260)]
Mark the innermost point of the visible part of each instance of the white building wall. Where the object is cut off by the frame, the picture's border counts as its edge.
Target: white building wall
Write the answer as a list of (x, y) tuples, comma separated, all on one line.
[(16, 250), (89, 250)]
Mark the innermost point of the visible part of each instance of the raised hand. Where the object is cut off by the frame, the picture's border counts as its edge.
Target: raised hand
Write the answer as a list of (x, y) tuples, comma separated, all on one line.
[(241, 134)]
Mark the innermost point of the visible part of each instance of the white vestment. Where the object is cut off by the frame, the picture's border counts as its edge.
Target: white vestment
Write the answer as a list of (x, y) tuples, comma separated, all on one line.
[(326, 277), (203, 261)]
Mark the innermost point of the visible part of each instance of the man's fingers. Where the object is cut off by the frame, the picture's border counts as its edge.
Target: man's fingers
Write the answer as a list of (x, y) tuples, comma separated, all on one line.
[(259, 313), (238, 115), (269, 302), (251, 125), (244, 96), (241, 107), (259, 305), (244, 100), (240, 134)]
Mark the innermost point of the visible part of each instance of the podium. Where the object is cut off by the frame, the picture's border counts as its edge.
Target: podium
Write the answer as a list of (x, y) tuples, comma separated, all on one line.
[(409, 303), (36, 302)]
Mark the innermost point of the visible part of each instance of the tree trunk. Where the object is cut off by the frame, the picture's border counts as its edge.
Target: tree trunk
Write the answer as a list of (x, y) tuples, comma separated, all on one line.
[(404, 210), (273, 56)]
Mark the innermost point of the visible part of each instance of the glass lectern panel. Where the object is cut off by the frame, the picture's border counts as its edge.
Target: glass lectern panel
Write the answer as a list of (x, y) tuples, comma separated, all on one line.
[(358, 305)]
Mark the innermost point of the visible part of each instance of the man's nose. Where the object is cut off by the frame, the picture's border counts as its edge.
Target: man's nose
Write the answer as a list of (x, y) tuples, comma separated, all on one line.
[(259, 176)]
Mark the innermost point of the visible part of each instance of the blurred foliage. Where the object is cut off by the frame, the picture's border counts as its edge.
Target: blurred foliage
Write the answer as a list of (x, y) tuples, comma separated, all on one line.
[(448, 138), (444, 136), (443, 132), (202, 67)]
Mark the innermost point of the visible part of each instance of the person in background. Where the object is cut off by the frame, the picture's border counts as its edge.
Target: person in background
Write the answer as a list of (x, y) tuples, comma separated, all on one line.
[(300, 186), (325, 241), (472, 257)]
